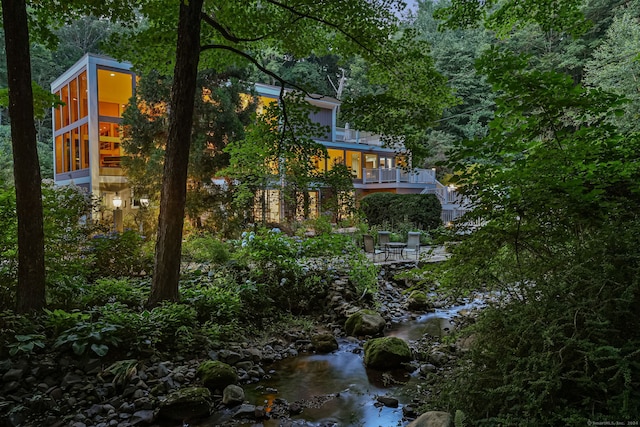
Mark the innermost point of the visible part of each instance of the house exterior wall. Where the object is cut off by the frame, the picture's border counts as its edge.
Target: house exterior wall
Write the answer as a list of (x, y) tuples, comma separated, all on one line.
[(87, 137)]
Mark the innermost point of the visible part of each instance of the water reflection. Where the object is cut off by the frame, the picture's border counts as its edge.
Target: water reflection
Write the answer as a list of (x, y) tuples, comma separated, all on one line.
[(337, 386)]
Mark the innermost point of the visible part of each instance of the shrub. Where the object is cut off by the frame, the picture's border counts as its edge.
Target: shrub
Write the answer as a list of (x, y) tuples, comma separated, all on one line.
[(422, 210), (119, 255), (326, 245), (562, 348), (215, 297), (108, 290), (96, 336), (205, 249)]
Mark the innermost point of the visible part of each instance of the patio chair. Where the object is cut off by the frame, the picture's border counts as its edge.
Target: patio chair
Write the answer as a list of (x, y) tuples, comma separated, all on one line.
[(383, 238), (369, 246), (413, 243)]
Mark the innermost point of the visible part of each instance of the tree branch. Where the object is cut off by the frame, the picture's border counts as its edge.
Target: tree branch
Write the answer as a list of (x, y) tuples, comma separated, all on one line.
[(268, 72), (224, 32), (320, 20)]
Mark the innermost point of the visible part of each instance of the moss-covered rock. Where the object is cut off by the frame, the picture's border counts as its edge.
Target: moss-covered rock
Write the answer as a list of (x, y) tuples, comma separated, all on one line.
[(364, 322), (432, 419), (190, 402), (216, 375), (324, 343), (386, 353), (418, 300)]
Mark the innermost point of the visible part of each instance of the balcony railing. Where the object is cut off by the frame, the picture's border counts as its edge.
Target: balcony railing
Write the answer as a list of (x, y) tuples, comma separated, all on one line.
[(357, 137), (398, 175)]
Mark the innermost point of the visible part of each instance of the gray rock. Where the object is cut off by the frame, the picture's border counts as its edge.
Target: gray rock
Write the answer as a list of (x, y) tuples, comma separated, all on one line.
[(324, 343), (295, 409), (71, 379), (427, 367), (389, 402), (13, 375), (232, 395), (163, 369), (142, 417), (230, 357), (432, 419), (217, 375), (245, 411), (191, 402), (364, 322), (438, 358), (386, 353)]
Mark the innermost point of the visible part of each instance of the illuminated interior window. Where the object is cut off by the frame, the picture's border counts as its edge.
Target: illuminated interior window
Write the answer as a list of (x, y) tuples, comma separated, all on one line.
[(84, 137), (319, 163), (110, 149), (386, 162), (84, 108), (73, 99), (59, 156), (114, 90), (75, 149), (370, 161), (353, 162), (65, 108), (335, 157), (58, 113)]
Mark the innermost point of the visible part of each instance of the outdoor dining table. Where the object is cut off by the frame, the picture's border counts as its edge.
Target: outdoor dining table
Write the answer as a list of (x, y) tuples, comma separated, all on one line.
[(395, 249)]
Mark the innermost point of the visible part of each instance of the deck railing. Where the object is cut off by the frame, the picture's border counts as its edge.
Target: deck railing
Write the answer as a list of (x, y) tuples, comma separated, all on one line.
[(398, 175)]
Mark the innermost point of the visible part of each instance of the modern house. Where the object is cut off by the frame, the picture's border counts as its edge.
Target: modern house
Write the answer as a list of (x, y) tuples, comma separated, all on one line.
[(86, 129), (87, 136)]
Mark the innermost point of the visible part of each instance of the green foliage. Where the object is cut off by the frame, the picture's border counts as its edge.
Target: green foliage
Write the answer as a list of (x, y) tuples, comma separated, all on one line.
[(59, 320), (66, 231), (557, 189), (505, 16), (13, 325), (205, 248), (219, 118), (66, 291), (119, 254), (175, 323), (322, 225), (423, 210), (108, 290), (97, 336), (214, 296), (25, 345), (363, 274), (272, 278), (333, 244)]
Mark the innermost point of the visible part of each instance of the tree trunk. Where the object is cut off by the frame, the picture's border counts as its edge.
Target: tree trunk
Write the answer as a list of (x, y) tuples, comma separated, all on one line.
[(30, 294), (166, 272)]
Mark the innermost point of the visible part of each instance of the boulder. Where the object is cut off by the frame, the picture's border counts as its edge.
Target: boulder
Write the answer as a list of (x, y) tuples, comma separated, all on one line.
[(191, 402), (432, 419), (216, 375), (364, 322), (417, 300), (324, 343), (386, 353), (232, 395)]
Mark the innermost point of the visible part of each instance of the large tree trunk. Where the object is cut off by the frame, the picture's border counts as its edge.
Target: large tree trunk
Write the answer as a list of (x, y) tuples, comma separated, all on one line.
[(26, 168), (166, 271)]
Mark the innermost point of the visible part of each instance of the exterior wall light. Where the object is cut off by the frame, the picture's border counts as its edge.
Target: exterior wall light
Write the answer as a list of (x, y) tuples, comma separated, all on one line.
[(117, 201)]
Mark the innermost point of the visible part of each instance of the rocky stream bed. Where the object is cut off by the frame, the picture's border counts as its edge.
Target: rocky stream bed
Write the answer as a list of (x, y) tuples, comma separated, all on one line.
[(273, 383)]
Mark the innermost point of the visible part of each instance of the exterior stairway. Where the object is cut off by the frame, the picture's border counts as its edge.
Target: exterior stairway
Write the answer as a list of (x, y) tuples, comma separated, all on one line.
[(454, 205)]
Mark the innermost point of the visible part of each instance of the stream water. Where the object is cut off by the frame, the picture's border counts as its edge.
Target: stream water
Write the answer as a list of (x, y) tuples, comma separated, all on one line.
[(336, 388)]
